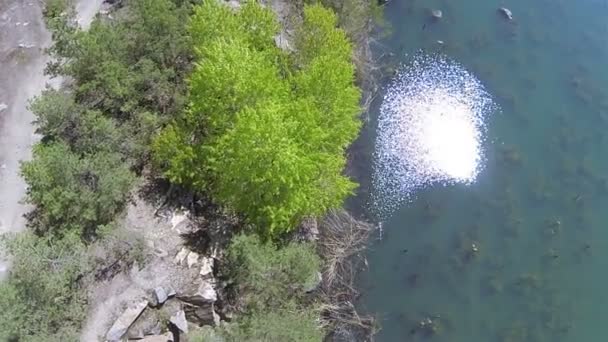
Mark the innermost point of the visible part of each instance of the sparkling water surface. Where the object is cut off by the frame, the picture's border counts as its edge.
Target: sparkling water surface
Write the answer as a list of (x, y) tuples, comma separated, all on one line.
[(516, 250)]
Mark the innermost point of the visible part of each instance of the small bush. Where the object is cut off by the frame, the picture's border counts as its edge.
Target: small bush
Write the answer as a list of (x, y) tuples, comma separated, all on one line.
[(73, 193), (42, 300), (289, 323), (269, 277)]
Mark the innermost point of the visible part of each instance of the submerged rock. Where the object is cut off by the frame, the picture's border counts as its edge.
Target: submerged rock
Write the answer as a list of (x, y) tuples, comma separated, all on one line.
[(505, 12)]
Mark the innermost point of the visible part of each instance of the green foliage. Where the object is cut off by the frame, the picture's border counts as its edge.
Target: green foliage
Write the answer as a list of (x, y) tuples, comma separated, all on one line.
[(131, 68), (285, 324), (73, 193), (265, 132), (269, 277), (60, 118), (42, 300)]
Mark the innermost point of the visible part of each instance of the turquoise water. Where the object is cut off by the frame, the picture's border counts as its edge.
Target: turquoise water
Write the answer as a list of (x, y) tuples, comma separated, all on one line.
[(538, 211)]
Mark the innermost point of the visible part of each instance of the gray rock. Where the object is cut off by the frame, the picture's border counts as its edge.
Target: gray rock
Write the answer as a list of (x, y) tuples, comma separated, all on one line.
[(170, 291), (148, 323), (202, 314), (135, 333), (206, 268), (205, 293), (124, 321), (436, 14), (168, 337), (179, 320), (506, 13), (160, 295)]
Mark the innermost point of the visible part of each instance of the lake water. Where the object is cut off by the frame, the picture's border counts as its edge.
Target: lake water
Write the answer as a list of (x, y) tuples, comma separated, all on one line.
[(538, 212)]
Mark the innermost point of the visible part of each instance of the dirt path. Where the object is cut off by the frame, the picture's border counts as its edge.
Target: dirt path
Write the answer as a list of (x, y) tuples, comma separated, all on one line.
[(23, 38)]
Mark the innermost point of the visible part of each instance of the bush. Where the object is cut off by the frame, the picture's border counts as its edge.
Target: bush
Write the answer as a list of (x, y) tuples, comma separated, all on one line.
[(285, 324), (42, 300), (60, 118), (265, 133), (268, 277), (73, 193), (131, 68)]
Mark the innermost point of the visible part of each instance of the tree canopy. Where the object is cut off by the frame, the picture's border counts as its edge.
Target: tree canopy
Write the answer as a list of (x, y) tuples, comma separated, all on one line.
[(265, 131)]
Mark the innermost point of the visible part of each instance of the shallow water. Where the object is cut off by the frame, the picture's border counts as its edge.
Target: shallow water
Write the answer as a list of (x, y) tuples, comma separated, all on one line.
[(537, 212)]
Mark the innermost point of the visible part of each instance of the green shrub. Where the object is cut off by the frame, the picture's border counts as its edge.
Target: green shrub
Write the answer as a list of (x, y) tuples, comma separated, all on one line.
[(268, 277), (265, 132), (42, 300), (73, 193)]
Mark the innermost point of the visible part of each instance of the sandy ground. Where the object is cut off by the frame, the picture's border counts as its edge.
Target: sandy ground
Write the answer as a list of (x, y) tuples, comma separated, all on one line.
[(23, 38)]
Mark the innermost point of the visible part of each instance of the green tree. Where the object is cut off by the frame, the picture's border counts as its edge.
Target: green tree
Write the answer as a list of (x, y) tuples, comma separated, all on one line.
[(42, 300), (60, 118), (73, 193), (265, 132)]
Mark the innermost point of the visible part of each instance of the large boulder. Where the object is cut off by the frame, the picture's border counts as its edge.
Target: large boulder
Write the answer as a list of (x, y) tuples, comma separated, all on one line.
[(203, 294), (124, 321)]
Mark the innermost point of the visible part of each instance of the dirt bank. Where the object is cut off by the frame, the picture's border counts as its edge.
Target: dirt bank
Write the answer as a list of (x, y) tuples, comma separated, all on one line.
[(23, 38)]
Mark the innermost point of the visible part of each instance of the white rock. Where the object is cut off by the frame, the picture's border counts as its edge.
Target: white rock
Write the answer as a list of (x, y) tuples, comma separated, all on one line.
[(181, 255), (506, 13), (204, 294), (206, 267), (3, 106), (178, 217), (192, 259)]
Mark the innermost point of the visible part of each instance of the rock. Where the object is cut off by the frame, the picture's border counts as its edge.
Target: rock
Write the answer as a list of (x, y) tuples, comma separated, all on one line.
[(135, 333), (179, 320), (192, 259), (168, 337), (124, 321), (206, 268), (178, 217), (170, 291), (3, 106), (160, 295), (181, 256), (436, 14), (204, 294), (202, 315), (506, 13), (440, 42)]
